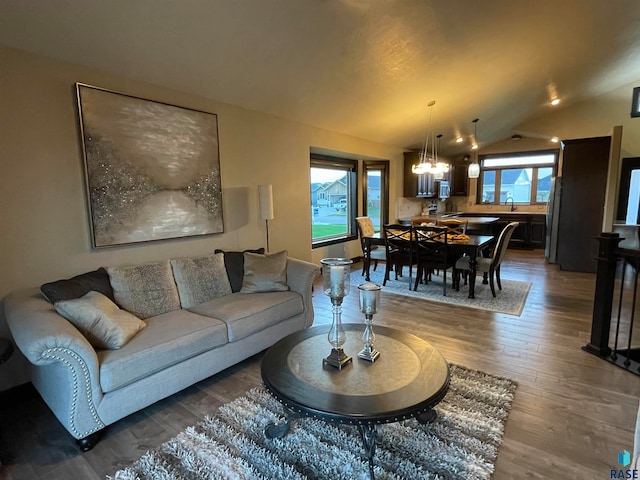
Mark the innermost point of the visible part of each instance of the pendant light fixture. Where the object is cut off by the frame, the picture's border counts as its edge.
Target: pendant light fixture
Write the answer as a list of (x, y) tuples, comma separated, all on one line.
[(438, 172), (425, 160), (428, 162), (474, 167)]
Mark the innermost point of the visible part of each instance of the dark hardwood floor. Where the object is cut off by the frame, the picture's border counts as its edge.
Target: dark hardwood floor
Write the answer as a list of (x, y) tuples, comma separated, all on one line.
[(572, 413)]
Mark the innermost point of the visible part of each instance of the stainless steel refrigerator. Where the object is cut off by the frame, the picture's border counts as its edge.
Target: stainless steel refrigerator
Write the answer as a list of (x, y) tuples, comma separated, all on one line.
[(553, 207)]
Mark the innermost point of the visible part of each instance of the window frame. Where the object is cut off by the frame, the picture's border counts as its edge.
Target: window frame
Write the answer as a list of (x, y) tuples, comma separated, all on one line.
[(351, 170), (498, 173), (383, 167)]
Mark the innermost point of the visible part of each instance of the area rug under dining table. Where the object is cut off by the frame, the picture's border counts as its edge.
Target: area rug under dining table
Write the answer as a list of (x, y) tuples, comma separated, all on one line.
[(511, 299), (461, 444)]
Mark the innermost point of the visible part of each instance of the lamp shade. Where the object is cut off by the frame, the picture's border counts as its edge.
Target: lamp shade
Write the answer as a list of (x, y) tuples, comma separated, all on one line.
[(265, 197), (474, 170)]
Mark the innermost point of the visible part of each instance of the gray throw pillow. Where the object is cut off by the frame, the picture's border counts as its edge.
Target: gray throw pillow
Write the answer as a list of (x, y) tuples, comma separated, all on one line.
[(145, 290), (100, 320), (265, 273), (200, 279), (234, 263)]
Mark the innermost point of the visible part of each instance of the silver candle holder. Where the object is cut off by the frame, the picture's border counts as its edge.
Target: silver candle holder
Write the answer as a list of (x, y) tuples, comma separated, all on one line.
[(369, 301), (335, 283)]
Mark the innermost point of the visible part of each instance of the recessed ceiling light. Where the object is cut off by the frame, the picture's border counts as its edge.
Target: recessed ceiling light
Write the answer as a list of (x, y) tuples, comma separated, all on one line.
[(459, 140), (474, 146), (555, 101), (555, 139)]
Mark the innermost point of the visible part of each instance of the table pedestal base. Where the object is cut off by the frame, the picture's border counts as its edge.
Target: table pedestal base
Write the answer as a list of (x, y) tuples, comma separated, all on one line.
[(368, 431)]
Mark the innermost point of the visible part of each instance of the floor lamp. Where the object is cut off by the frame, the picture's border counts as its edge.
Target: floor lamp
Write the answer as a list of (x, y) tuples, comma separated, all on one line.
[(265, 197)]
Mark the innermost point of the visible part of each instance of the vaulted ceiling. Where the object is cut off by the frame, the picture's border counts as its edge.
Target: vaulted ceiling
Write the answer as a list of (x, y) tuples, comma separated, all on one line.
[(365, 68)]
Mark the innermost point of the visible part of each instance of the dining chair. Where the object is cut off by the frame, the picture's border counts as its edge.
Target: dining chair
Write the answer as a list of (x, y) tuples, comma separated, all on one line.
[(398, 249), (455, 225), (431, 248), (375, 252), (488, 265)]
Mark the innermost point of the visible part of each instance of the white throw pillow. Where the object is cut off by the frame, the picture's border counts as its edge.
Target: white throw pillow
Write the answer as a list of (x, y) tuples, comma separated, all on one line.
[(100, 320)]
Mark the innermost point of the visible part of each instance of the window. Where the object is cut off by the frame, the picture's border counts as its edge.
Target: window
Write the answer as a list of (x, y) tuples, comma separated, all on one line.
[(375, 187), (519, 178), (333, 200)]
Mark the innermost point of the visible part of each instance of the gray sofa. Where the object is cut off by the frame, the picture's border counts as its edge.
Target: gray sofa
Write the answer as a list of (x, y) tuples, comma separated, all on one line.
[(88, 388)]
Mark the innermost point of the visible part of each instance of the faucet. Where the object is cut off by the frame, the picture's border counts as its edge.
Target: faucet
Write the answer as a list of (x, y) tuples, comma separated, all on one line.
[(513, 207)]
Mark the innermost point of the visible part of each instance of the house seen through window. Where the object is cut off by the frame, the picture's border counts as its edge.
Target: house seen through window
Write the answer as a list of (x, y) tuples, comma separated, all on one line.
[(523, 178), (333, 199), (375, 191)]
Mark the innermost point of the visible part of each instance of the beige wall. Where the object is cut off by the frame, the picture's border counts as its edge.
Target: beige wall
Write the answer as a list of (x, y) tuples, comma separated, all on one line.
[(43, 212)]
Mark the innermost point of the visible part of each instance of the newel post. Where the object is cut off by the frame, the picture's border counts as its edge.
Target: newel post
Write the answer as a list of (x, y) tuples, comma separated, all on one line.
[(603, 298)]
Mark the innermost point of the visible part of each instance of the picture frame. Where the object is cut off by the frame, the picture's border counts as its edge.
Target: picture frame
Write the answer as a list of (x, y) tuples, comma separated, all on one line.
[(152, 170), (635, 102)]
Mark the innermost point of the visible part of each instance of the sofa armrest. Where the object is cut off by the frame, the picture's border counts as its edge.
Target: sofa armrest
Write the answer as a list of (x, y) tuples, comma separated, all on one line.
[(37, 328), (300, 277), (67, 368)]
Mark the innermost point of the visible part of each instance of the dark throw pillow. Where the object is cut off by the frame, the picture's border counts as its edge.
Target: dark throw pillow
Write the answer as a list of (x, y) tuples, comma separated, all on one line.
[(234, 263), (78, 286)]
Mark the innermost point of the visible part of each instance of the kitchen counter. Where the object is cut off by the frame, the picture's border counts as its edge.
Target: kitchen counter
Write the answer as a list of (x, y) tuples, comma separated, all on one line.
[(495, 213), (531, 232), (471, 219)]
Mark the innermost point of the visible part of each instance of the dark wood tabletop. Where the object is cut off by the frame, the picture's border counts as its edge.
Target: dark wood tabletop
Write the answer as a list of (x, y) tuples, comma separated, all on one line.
[(407, 380)]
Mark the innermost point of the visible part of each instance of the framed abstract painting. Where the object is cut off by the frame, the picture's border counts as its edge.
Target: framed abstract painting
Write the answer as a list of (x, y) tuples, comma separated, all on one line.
[(152, 169)]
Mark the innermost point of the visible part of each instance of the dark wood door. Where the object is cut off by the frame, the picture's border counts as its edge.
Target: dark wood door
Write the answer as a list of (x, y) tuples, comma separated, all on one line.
[(584, 178)]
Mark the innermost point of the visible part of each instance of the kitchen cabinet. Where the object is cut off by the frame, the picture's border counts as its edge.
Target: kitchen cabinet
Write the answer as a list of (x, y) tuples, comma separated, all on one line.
[(459, 179), (423, 186), (530, 233), (538, 231)]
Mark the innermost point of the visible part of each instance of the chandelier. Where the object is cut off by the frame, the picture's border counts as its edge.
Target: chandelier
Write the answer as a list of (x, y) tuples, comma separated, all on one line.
[(428, 162)]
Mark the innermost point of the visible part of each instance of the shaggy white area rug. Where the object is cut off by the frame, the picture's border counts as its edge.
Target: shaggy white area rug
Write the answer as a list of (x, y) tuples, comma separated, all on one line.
[(511, 299), (461, 444)]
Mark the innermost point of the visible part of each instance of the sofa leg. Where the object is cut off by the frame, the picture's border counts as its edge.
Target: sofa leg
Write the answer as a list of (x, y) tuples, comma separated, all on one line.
[(90, 441)]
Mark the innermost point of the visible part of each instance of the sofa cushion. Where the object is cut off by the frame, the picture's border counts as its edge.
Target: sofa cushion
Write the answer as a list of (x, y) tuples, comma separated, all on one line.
[(145, 290), (247, 313), (168, 339), (100, 320), (78, 286), (200, 279), (234, 263), (265, 273)]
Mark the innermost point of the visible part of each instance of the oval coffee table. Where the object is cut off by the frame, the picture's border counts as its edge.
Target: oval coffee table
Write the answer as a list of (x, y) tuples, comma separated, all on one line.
[(408, 379)]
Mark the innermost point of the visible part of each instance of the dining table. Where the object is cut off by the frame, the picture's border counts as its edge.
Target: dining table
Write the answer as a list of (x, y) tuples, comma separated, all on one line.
[(473, 246), (478, 225)]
